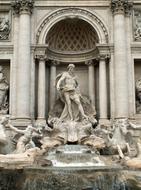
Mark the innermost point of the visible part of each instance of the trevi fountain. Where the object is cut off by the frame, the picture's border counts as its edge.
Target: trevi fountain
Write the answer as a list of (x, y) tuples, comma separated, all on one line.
[(70, 95)]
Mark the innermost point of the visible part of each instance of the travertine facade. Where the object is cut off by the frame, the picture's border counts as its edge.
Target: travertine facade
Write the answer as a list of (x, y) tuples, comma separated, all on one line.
[(38, 39)]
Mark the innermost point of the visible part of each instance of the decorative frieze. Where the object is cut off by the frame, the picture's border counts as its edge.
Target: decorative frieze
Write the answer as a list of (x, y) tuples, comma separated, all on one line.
[(121, 6)]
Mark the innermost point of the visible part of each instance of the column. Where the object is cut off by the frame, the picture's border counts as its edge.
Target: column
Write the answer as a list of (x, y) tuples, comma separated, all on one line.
[(14, 64), (102, 87), (52, 84), (42, 88), (128, 19), (120, 59), (91, 81), (33, 85), (24, 64)]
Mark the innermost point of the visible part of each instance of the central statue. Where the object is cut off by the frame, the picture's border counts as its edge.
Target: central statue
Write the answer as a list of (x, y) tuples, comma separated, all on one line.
[(73, 116), (69, 91)]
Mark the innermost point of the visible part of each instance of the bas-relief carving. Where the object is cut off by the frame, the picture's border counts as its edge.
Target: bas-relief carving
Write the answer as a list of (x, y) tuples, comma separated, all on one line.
[(138, 96), (4, 86), (3, 138), (4, 27), (137, 25)]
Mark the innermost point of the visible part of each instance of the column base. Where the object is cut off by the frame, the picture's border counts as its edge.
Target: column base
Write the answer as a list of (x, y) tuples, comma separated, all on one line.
[(4, 115), (105, 122), (41, 121), (20, 122)]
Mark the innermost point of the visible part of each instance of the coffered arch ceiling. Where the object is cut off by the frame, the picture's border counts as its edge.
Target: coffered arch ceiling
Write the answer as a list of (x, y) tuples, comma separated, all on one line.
[(71, 36)]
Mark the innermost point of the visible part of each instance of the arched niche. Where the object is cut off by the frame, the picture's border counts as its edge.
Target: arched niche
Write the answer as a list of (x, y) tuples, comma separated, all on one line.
[(71, 35), (61, 14), (72, 40)]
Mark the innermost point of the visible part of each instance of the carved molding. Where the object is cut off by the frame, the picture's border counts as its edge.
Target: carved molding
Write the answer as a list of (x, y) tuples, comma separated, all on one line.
[(20, 6), (79, 57), (121, 6), (76, 13)]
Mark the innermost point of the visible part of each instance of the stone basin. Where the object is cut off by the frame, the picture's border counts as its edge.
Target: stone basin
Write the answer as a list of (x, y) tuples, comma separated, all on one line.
[(76, 168), (74, 178)]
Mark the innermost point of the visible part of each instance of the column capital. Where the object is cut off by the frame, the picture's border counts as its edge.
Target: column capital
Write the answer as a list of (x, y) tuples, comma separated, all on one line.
[(103, 57), (16, 7), (121, 6), (41, 57), (22, 6), (26, 6), (55, 62), (40, 54), (89, 62)]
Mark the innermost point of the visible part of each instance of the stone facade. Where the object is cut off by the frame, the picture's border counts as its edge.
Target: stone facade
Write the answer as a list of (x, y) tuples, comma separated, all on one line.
[(102, 38)]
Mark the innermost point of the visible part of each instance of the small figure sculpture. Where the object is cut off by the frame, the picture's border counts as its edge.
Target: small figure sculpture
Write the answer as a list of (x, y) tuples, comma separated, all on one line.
[(138, 96), (4, 29), (118, 140), (57, 134), (135, 162), (3, 123), (137, 33), (134, 126), (3, 93), (20, 160), (25, 139), (68, 88), (87, 137)]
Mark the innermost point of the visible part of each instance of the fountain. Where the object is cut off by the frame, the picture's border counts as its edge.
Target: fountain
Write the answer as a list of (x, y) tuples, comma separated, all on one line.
[(72, 151)]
